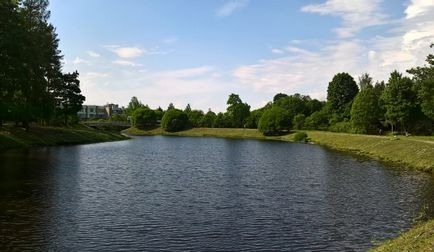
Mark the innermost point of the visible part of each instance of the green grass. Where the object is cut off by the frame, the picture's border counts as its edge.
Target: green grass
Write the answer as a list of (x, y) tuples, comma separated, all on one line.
[(419, 238), (13, 137), (410, 152), (210, 132)]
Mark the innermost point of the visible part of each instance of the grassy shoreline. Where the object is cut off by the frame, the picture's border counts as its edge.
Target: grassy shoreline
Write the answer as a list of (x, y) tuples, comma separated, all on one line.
[(18, 138)]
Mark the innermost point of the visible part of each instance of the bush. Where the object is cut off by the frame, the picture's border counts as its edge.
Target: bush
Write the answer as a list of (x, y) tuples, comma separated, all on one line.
[(144, 117), (274, 121), (318, 120), (346, 127), (298, 121), (174, 120), (301, 137)]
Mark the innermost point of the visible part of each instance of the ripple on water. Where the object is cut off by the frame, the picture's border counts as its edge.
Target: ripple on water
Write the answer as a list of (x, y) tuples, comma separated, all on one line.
[(170, 193)]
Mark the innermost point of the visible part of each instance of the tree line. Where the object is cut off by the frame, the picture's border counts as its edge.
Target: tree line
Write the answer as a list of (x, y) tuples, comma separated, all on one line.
[(33, 87), (402, 104)]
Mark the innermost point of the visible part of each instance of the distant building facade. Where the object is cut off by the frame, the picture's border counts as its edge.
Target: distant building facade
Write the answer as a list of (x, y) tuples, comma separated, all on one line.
[(99, 112)]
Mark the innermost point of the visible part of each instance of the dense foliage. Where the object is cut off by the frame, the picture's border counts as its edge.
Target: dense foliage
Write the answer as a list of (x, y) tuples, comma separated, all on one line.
[(364, 111), (174, 120), (402, 104), (274, 121), (340, 93), (144, 117), (32, 85), (237, 111)]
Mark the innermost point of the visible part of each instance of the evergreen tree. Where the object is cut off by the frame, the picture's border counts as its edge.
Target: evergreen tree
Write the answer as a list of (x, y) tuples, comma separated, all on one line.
[(70, 99)]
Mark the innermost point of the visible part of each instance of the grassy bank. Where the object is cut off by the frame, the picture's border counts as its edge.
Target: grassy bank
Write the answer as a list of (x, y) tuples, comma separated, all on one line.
[(409, 152), (419, 238), (200, 132), (13, 137)]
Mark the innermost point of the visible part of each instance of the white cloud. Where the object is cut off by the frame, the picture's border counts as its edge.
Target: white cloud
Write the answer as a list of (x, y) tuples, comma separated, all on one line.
[(125, 52), (93, 54), (301, 71), (134, 52), (126, 63), (230, 7), (78, 61), (355, 14), (277, 51), (308, 72), (419, 8), (198, 85), (186, 73), (292, 67)]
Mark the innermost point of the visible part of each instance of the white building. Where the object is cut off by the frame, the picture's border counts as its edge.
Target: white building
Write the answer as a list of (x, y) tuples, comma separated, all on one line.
[(99, 112)]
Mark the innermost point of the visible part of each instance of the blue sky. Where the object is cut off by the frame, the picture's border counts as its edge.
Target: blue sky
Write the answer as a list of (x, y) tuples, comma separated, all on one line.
[(198, 52)]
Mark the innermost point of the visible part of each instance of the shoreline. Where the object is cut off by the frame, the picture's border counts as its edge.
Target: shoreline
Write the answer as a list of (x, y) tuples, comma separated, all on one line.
[(409, 153), (12, 138)]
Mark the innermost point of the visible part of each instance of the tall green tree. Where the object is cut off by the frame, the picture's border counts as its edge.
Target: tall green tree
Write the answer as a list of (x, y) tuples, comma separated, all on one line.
[(220, 121), (133, 105), (208, 119), (174, 120), (237, 111), (424, 85), (398, 98), (340, 93), (294, 104), (364, 111), (144, 117), (274, 121), (11, 42), (279, 96), (31, 79), (365, 80), (195, 117), (70, 98)]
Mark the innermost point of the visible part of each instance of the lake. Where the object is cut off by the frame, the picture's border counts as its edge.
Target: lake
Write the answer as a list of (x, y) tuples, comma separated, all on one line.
[(208, 194)]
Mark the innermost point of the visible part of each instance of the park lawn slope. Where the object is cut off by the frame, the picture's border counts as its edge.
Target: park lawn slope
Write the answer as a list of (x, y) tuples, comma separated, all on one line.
[(419, 238), (13, 137), (200, 132), (413, 153)]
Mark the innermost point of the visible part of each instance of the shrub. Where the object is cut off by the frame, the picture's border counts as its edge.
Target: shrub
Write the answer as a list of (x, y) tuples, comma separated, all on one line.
[(346, 127), (298, 121), (274, 121), (174, 120), (144, 117), (301, 137), (317, 120)]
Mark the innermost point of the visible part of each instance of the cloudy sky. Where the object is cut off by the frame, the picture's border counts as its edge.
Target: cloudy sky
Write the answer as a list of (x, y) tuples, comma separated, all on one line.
[(198, 52)]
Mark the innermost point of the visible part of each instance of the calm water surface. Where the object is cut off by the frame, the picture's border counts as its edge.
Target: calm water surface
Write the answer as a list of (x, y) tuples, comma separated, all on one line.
[(173, 193)]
